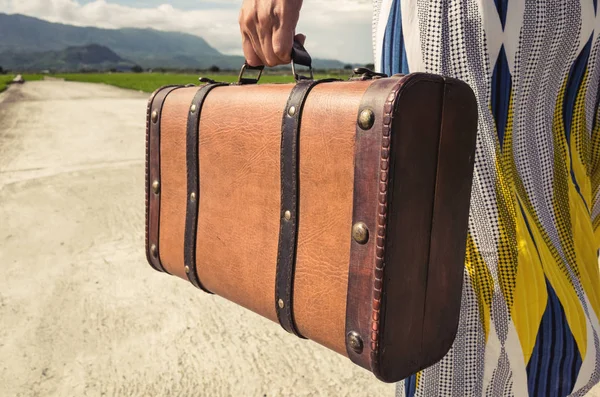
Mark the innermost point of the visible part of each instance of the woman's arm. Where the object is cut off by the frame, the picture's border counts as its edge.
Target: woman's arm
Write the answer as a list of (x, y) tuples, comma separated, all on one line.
[(268, 30)]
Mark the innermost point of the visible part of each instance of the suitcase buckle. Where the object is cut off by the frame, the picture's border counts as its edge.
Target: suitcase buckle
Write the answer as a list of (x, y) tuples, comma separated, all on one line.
[(366, 74), (299, 77), (244, 80), (206, 80)]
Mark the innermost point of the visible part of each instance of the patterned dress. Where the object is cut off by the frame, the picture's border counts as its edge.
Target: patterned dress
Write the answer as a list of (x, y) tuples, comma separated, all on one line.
[(531, 298)]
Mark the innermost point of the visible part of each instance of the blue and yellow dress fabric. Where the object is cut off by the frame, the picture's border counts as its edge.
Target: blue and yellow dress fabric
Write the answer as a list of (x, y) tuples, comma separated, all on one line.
[(531, 299)]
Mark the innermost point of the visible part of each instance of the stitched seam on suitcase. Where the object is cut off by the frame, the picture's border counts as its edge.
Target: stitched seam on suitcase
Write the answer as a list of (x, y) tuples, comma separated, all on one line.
[(153, 159), (367, 152), (383, 206), (193, 183), (381, 223), (382, 212)]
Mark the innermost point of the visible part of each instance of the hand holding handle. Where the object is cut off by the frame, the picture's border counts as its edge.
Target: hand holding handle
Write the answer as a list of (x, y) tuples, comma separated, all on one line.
[(299, 57)]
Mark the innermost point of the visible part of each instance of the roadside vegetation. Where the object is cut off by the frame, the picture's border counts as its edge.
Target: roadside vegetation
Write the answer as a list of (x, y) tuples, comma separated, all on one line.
[(148, 82), (5, 79)]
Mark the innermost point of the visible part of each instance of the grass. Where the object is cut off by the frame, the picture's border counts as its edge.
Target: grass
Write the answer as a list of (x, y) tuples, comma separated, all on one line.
[(148, 82), (4, 79), (7, 78)]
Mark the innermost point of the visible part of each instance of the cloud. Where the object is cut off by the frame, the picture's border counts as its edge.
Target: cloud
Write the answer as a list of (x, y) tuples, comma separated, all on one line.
[(339, 29)]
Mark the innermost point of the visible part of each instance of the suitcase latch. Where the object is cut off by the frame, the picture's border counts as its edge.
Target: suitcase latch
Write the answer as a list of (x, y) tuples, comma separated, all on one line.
[(366, 74), (206, 80)]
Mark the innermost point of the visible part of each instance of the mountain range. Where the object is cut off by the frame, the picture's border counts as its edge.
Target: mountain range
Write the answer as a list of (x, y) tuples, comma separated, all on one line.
[(29, 44), (89, 57)]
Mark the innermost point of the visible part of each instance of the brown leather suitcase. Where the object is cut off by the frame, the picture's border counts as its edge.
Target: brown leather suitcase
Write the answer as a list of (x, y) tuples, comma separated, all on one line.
[(338, 209)]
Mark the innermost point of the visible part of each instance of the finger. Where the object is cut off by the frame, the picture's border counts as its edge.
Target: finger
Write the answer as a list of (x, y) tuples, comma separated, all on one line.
[(282, 42), (251, 57), (266, 43), (252, 34), (300, 38)]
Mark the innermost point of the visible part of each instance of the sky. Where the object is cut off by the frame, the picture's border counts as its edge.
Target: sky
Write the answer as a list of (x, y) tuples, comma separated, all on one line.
[(335, 29)]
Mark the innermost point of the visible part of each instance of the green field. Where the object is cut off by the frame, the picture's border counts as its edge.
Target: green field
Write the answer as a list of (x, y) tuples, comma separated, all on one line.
[(4, 79), (7, 78), (148, 82)]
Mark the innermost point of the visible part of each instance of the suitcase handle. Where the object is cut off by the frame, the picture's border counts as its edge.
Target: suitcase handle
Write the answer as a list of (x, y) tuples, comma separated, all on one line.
[(299, 57)]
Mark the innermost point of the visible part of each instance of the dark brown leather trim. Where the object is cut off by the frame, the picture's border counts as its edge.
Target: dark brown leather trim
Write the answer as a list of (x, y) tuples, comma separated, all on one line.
[(368, 159), (415, 132), (155, 104), (430, 169), (451, 207), (288, 226), (193, 183)]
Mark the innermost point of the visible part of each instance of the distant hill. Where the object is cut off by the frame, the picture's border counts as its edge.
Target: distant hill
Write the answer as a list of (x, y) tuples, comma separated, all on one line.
[(89, 57), (22, 36)]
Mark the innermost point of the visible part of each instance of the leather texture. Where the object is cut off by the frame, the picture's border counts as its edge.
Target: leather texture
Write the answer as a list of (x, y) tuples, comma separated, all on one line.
[(424, 192), (326, 194), (288, 227), (240, 186), (193, 192), (410, 151), (155, 106), (407, 177), (456, 158), (173, 169), (366, 200)]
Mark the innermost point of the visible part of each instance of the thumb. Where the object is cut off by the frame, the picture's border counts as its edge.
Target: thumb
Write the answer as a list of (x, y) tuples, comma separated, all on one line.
[(300, 38)]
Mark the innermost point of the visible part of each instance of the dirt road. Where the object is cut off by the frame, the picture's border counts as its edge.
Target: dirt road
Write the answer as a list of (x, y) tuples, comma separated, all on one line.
[(82, 314)]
